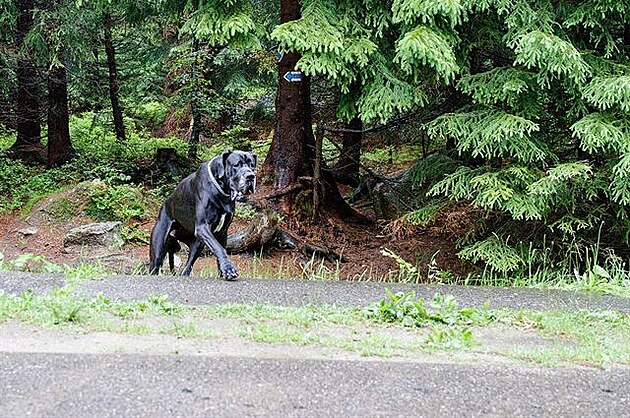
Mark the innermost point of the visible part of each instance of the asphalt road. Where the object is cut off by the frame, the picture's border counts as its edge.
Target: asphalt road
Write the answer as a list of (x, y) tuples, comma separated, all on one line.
[(61, 385), (129, 385)]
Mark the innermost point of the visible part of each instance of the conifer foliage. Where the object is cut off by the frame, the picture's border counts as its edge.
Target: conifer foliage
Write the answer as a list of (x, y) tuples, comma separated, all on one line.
[(546, 131)]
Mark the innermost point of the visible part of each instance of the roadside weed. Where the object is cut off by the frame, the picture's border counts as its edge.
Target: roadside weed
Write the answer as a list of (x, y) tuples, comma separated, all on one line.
[(316, 269), (85, 271), (595, 337), (31, 263), (407, 272), (57, 308), (448, 325), (409, 311), (279, 334), (399, 325), (449, 337)]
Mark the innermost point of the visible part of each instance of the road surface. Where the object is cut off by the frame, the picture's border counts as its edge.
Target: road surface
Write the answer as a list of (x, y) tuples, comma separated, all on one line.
[(80, 383)]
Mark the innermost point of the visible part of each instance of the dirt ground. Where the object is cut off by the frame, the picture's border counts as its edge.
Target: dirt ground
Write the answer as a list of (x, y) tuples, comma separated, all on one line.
[(360, 245), (226, 338)]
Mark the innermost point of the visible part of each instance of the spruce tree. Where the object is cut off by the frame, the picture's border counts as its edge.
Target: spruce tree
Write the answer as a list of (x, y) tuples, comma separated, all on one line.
[(544, 138)]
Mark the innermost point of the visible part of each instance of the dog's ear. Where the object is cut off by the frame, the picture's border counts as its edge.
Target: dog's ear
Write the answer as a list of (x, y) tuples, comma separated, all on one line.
[(224, 158), (219, 164), (255, 158)]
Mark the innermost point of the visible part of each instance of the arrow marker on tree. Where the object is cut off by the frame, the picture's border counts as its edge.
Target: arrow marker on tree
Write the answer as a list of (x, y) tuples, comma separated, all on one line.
[(293, 76)]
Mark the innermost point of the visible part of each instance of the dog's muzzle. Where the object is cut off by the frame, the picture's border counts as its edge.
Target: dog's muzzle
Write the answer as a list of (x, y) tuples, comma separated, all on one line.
[(246, 185)]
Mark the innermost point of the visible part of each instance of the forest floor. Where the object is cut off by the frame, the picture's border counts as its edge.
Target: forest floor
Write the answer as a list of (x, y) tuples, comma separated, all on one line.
[(431, 249)]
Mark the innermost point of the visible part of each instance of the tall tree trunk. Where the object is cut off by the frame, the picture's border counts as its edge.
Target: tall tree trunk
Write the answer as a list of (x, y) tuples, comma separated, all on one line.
[(347, 168), (292, 153), (114, 86), (195, 129), (28, 142), (288, 157), (60, 148)]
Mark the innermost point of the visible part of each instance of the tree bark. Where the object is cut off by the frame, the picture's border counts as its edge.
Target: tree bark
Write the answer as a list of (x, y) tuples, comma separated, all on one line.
[(60, 148), (28, 96), (289, 155), (195, 131), (114, 85), (292, 154)]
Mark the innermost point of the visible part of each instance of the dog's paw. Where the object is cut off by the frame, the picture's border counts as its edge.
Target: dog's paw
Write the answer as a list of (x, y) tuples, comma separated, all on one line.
[(229, 272)]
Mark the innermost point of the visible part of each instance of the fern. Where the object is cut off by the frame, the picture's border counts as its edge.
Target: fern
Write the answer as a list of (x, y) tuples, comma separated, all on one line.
[(499, 85), (315, 32), (385, 94), (220, 29), (620, 187), (490, 134), (492, 189), (569, 225), (342, 67), (558, 176), (424, 215), (503, 191), (599, 132), (595, 16), (431, 169), (457, 185)]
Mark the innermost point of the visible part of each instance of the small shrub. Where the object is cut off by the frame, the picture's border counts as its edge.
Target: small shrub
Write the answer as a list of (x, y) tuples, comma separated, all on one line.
[(22, 186), (132, 233), (245, 212), (115, 203), (150, 115), (62, 209)]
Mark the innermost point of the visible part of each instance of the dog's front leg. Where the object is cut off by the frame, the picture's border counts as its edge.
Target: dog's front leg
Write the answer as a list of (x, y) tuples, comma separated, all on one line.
[(227, 269)]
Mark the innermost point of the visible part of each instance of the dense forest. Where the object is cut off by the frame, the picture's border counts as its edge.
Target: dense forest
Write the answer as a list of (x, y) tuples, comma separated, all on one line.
[(519, 112)]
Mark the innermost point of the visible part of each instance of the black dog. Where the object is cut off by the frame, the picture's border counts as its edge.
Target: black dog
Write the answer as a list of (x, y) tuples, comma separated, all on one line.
[(200, 210)]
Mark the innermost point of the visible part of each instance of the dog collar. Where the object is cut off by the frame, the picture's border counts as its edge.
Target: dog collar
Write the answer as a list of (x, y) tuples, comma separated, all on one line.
[(214, 180)]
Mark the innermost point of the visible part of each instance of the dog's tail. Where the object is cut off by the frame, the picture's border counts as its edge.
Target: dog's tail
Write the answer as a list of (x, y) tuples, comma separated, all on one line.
[(159, 235)]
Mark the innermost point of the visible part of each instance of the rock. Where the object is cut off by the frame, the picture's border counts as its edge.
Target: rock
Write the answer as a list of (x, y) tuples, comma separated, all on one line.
[(103, 234), (32, 230)]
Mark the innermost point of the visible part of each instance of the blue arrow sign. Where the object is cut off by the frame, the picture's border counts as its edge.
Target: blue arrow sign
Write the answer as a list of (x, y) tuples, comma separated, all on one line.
[(293, 76)]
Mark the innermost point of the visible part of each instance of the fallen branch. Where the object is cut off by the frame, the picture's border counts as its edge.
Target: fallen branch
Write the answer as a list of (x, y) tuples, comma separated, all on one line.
[(262, 231)]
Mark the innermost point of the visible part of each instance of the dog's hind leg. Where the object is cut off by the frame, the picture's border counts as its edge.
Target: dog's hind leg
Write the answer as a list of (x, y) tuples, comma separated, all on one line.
[(172, 247), (157, 247), (195, 251)]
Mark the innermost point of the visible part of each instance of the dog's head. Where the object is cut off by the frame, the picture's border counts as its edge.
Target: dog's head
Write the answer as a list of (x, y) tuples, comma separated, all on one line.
[(236, 169)]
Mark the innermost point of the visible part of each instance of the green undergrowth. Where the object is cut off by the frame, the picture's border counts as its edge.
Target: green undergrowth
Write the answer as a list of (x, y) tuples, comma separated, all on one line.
[(33, 263), (399, 325), (598, 272), (121, 180)]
